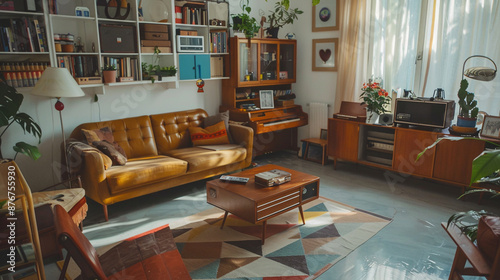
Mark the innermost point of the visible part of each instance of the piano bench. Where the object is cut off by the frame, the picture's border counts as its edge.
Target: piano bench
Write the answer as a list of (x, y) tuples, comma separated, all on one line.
[(315, 149)]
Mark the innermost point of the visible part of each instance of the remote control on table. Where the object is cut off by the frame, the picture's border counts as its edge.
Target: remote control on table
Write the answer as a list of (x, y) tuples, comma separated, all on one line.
[(234, 179)]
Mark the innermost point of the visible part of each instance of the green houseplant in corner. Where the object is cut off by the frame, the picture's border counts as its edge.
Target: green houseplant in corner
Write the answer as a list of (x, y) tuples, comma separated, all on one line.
[(244, 22), (10, 102), (485, 169), (281, 16)]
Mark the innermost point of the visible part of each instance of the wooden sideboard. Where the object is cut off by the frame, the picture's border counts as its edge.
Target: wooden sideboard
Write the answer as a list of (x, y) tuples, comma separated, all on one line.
[(396, 148)]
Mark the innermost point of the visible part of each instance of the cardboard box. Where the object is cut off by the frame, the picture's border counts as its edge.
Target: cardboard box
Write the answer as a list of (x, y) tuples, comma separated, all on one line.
[(152, 49), (155, 43), (160, 36), (154, 28), (188, 32)]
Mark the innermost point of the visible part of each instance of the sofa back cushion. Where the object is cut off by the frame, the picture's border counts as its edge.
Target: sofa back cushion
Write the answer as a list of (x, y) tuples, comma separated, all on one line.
[(171, 129), (134, 135)]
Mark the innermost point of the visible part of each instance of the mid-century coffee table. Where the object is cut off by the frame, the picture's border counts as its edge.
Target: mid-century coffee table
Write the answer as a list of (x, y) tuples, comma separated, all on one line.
[(256, 203)]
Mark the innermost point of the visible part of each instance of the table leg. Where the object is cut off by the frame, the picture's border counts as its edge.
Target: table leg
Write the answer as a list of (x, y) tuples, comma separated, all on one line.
[(224, 220), (302, 215), (264, 232)]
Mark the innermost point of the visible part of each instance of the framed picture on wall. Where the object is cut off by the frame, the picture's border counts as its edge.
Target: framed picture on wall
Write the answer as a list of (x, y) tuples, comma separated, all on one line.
[(491, 127), (266, 99), (324, 54), (326, 16)]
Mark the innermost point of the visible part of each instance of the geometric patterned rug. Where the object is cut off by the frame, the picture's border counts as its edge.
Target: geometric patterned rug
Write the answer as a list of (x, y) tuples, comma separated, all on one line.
[(292, 251)]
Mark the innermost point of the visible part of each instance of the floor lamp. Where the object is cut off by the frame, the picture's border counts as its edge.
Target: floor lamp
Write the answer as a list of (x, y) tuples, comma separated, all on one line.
[(58, 83)]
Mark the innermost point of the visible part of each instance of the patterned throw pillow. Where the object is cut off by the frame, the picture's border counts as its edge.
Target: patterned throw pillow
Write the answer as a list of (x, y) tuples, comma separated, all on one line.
[(108, 149), (103, 134), (212, 135), (224, 116)]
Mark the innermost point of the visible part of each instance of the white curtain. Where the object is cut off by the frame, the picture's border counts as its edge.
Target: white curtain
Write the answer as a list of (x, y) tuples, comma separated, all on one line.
[(450, 31), (457, 29), (391, 39)]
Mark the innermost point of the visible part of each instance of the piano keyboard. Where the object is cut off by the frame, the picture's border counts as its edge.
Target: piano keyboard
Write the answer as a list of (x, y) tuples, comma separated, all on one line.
[(280, 122)]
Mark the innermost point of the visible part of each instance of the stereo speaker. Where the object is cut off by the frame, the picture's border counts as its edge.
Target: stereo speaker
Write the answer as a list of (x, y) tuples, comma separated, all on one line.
[(310, 190), (386, 119)]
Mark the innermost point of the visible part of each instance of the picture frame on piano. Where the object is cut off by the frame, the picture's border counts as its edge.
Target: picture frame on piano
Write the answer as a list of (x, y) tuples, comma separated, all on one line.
[(266, 99)]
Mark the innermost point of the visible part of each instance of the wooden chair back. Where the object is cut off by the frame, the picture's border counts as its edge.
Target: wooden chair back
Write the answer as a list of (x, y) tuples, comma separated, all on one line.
[(77, 245)]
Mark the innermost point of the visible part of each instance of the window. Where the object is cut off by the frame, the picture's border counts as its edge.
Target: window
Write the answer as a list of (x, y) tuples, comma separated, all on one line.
[(443, 33)]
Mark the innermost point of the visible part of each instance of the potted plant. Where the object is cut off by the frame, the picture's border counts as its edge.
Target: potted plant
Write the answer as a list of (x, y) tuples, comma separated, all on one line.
[(168, 71), (375, 98), (109, 73), (244, 22), (281, 16), (10, 102), (468, 110), (485, 169)]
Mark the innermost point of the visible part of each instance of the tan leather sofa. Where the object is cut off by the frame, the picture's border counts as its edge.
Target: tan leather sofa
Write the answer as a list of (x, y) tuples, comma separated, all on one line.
[(160, 156)]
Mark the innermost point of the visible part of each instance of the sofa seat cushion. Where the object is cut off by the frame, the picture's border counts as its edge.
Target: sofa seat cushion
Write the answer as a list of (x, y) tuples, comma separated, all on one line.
[(142, 171), (201, 159)]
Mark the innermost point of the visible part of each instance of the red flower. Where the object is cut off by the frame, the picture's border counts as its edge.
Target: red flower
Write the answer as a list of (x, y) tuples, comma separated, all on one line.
[(386, 93)]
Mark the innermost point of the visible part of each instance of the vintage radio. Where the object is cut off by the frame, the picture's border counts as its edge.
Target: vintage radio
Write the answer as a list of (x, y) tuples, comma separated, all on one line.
[(190, 43), (424, 112), (88, 80), (272, 178)]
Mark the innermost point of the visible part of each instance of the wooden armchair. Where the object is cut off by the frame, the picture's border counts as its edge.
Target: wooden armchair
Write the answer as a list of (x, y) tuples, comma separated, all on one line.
[(484, 258), (152, 255), (13, 184)]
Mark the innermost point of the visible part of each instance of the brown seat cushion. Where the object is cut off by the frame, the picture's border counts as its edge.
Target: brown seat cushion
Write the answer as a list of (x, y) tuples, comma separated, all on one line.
[(200, 159), (488, 236), (142, 171)]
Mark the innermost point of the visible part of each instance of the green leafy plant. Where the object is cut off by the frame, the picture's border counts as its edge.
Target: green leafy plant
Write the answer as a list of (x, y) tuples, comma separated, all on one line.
[(245, 23), (282, 15), (485, 169), (466, 101), (286, 3), (109, 67), (10, 102), (375, 97)]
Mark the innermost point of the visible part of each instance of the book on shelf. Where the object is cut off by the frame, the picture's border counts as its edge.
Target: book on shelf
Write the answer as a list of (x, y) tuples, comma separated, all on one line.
[(79, 65), (22, 35), (218, 41), (125, 66)]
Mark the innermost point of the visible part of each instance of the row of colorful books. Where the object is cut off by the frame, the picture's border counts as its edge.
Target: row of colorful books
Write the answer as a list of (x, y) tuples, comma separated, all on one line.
[(218, 42), (22, 35), (79, 65)]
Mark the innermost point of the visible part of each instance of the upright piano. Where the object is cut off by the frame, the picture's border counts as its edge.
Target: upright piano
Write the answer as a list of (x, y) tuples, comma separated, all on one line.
[(275, 129)]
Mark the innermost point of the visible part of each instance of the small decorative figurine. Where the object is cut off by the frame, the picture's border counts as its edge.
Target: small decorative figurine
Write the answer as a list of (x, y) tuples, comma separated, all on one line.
[(200, 83)]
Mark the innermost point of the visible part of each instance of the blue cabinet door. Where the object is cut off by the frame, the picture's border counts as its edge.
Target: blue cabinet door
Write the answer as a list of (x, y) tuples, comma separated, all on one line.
[(194, 66)]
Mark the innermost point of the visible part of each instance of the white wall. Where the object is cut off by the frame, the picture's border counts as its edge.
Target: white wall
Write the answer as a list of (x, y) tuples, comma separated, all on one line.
[(129, 101)]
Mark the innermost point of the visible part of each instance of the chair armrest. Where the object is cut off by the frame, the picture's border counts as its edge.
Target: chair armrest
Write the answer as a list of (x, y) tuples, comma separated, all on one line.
[(470, 250), (243, 135)]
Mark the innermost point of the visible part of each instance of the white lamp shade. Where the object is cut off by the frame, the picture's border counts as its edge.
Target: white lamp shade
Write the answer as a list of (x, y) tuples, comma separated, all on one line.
[(57, 82)]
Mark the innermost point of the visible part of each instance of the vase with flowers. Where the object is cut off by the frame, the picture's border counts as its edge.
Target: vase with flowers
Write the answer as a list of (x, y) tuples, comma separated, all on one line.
[(375, 98)]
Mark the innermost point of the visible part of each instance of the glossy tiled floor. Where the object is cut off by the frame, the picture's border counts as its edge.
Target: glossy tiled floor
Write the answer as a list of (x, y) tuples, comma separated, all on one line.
[(412, 246)]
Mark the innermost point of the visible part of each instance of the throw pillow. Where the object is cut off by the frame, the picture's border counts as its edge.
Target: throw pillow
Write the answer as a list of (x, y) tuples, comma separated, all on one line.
[(108, 149), (212, 135), (103, 134), (224, 116)]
